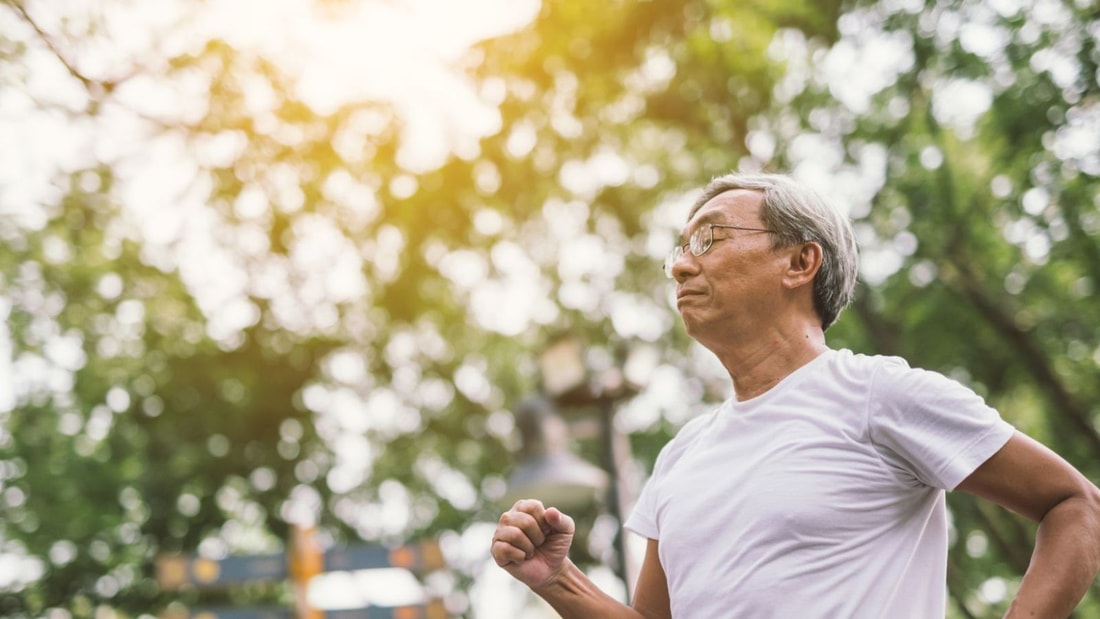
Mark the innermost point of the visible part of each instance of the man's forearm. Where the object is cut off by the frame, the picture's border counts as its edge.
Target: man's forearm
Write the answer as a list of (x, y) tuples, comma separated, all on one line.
[(574, 596), (1064, 563)]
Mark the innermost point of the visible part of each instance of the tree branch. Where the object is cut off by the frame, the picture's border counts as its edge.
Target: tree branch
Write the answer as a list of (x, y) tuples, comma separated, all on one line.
[(96, 88), (960, 279)]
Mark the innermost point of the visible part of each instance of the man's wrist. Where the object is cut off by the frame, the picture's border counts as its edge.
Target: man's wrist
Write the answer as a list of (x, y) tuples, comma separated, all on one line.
[(562, 580)]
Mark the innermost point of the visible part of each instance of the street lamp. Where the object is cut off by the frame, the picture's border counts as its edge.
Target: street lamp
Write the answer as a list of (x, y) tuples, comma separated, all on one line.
[(568, 383)]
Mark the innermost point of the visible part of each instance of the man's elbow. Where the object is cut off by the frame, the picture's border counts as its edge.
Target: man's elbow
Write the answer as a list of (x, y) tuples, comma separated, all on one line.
[(1076, 514), (1085, 511), (1092, 506)]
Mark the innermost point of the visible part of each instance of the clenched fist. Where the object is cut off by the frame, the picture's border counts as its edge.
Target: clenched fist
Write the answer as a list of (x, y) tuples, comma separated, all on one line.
[(532, 542)]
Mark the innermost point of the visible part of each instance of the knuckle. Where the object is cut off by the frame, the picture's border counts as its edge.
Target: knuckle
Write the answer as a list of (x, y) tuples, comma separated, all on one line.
[(528, 505)]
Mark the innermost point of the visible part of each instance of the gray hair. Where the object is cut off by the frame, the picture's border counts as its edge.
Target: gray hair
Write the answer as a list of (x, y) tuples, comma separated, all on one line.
[(798, 214)]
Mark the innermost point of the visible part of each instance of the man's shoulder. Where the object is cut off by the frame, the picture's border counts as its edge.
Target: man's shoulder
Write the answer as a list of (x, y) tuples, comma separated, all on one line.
[(688, 434), (697, 425), (891, 378), (868, 366)]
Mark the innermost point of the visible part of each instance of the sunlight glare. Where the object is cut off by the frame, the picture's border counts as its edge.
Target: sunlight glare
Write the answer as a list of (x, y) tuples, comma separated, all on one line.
[(403, 53)]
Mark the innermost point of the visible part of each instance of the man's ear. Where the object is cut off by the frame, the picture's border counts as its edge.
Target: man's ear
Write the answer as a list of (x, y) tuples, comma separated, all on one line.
[(805, 262)]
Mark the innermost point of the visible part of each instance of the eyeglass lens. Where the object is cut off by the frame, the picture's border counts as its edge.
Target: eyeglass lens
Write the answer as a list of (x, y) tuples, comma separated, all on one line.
[(698, 244), (701, 240)]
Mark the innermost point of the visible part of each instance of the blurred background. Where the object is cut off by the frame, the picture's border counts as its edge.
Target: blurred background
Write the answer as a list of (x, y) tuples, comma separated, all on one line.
[(368, 268)]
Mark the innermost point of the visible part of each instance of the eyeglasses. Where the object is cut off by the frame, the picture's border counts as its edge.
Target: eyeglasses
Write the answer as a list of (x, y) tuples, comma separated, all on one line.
[(699, 243)]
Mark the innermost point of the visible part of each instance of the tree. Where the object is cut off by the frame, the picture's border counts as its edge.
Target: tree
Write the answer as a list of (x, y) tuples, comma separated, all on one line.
[(315, 351), (312, 320)]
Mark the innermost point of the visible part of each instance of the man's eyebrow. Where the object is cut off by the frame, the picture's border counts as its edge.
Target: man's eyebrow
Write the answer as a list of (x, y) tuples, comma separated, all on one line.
[(711, 217)]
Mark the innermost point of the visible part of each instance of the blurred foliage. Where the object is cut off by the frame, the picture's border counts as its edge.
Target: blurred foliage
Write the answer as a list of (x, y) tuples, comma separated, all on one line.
[(163, 406)]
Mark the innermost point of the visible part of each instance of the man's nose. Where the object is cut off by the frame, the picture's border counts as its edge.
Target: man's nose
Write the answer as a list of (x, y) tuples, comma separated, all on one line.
[(685, 265)]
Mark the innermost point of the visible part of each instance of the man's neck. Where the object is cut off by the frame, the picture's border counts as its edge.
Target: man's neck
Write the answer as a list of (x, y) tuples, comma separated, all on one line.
[(761, 362)]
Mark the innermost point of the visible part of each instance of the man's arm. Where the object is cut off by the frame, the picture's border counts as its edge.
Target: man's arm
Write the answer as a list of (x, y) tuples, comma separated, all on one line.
[(1029, 479), (532, 543)]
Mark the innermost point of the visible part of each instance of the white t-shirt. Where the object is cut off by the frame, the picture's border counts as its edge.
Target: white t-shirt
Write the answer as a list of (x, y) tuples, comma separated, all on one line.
[(822, 497)]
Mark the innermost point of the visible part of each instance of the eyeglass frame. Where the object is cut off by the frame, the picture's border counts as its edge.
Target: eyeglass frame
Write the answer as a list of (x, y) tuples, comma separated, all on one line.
[(677, 251)]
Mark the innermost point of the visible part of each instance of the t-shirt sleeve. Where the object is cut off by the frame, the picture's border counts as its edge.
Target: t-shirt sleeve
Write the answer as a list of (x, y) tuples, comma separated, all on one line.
[(643, 518), (931, 427)]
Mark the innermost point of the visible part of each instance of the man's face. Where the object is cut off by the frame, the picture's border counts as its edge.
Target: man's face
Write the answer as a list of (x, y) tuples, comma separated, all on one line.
[(736, 283)]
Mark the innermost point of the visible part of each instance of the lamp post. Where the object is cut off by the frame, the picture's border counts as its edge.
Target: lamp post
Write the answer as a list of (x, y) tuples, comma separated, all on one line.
[(568, 383)]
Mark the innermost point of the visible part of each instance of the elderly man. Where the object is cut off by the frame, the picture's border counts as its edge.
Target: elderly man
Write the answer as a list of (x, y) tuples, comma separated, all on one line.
[(818, 489)]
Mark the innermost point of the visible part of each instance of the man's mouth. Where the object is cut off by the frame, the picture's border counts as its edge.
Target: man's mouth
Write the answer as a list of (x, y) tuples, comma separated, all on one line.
[(687, 292)]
